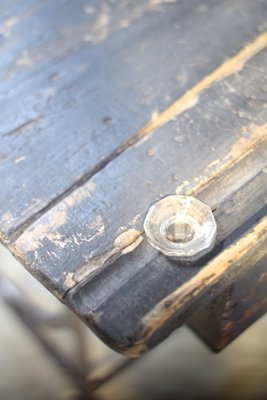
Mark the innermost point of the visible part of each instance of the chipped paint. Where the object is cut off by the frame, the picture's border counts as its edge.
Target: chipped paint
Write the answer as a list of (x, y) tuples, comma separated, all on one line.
[(126, 238), (79, 195), (135, 220), (69, 281), (255, 133), (182, 187), (204, 280), (190, 98), (132, 246), (239, 150), (124, 244), (19, 159), (45, 228), (97, 224)]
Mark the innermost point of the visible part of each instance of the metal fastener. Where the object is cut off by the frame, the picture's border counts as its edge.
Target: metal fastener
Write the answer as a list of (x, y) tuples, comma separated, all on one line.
[(181, 227)]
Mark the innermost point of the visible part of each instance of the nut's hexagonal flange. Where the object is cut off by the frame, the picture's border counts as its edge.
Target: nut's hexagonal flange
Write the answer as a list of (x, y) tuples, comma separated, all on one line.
[(181, 227)]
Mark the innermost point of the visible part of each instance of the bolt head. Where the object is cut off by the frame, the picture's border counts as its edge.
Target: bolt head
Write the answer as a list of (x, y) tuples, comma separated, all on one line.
[(181, 227)]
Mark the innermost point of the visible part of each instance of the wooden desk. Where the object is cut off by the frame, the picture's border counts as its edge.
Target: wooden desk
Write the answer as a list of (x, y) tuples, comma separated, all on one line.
[(105, 108)]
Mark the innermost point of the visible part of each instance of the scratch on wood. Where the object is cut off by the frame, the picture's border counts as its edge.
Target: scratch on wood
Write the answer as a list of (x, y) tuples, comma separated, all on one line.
[(190, 98), (125, 243), (19, 159), (239, 150), (204, 280), (23, 127)]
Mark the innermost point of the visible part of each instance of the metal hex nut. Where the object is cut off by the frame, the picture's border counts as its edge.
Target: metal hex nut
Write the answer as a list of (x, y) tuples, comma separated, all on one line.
[(181, 227)]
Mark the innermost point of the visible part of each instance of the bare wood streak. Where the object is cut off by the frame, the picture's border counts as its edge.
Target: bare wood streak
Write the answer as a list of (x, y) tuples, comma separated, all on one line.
[(190, 98), (125, 243), (205, 279), (240, 149)]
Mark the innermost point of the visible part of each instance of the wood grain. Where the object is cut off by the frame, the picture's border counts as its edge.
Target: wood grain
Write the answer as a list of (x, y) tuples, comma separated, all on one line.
[(81, 231), (110, 109), (227, 316), (75, 92)]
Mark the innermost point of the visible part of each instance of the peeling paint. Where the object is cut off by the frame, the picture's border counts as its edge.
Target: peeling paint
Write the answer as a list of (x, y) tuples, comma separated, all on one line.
[(125, 243), (132, 246), (97, 225), (207, 278), (190, 98), (79, 195), (69, 281), (45, 228), (135, 220), (126, 238), (239, 149)]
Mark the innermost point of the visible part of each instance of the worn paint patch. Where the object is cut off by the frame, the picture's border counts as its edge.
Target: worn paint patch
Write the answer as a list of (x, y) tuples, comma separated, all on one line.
[(135, 220), (254, 134), (125, 243), (79, 195), (190, 98), (126, 238), (45, 228), (206, 278), (132, 246), (97, 225), (69, 281), (239, 150)]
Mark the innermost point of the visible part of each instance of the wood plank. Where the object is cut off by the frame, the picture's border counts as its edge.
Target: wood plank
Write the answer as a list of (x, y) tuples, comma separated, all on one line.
[(227, 316), (87, 227), (94, 236), (57, 111)]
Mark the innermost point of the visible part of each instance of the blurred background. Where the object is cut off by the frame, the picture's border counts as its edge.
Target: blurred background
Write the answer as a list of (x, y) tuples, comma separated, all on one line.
[(46, 353)]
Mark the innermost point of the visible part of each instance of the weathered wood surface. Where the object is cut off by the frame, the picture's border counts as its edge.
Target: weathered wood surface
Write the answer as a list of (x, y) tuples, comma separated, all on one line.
[(108, 111), (236, 309), (87, 227), (76, 89)]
